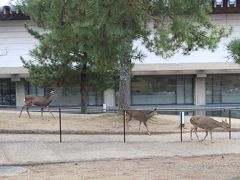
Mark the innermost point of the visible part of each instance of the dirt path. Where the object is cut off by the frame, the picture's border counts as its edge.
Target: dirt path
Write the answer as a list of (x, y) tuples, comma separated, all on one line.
[(90, 123), (202, 168)]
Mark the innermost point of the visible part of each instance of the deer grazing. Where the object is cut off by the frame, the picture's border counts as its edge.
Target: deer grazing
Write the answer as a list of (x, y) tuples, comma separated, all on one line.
[(40, 101), (140, 116), (208, 124)]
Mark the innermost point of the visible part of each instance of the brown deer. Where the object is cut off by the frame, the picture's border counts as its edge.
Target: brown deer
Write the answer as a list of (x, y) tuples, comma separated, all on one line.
[(140, 116), (41, 101), (206, 123)]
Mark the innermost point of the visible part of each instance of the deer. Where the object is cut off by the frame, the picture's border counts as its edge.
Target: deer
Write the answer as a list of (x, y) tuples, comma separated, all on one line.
[(140, 116), (208, 124), (40, 101)]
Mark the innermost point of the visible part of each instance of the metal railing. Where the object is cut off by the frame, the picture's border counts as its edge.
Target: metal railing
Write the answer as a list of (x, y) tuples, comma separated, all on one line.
[(179, 110)]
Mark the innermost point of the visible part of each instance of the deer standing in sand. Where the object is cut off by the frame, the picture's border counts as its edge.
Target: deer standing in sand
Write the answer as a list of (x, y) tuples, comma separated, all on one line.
[(208, 124), (140, 116), (40, 101)]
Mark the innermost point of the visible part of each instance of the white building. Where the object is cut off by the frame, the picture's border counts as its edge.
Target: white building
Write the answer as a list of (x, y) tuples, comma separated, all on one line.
[(204, 77)]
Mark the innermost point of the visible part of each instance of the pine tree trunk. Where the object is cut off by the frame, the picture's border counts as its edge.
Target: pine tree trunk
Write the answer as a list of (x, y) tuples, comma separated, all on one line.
[(125, 71), (83, 89), (124, 84)]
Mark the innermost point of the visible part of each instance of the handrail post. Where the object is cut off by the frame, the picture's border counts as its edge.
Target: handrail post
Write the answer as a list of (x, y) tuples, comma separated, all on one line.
[(181, 125), (60, 124), (124, 126), (230, 123)]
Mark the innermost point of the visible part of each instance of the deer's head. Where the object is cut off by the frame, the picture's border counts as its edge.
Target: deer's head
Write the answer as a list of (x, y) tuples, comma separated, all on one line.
[(226, 126), (51, 94), (153, 112)]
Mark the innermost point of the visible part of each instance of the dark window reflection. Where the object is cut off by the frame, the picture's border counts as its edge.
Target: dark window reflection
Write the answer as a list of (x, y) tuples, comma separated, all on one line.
[(7, 92), (68, 95), (162, 90), (222, 89)]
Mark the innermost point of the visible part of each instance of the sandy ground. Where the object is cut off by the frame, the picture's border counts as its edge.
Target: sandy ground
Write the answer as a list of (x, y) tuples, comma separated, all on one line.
[(202, 168), (92, 123), (205, 167)]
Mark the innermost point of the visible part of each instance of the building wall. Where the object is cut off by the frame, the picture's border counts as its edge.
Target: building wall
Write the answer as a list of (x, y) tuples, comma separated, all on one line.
[(15, 41), (201, 56)]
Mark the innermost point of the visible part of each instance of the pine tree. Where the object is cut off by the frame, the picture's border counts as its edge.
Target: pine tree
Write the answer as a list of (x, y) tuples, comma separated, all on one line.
[(163, 26), (61, 57), (106, 29), (234, 50)]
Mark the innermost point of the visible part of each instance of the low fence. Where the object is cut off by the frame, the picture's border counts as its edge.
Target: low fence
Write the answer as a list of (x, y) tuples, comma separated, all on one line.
[(224, 111), (180, 112)]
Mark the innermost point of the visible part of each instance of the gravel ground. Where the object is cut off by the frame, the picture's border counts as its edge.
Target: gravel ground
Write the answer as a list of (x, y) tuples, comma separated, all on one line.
[(91, 123), (225, 166), (202, 168)]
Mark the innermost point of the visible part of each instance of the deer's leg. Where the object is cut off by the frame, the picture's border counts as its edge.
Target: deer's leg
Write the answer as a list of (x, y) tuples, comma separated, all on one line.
[(211, 136), (140, 122), (195, 131), (27, 106), (191, 133), (128, 118), (21, 111), (28, 111), (205, 136), (41, 112), (51, 112), (146, 128)]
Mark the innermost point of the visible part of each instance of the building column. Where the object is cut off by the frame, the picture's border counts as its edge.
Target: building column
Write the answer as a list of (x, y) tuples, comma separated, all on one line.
[(200, 93), (109, 97), (20, 92)]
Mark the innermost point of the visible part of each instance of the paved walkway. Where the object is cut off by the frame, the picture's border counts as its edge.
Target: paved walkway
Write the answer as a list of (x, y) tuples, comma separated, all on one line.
[(22, 149)]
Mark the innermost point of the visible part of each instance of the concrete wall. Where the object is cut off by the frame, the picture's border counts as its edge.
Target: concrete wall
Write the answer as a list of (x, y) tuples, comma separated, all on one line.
[(219, 55), (20, 92), (109, 97), (15, 42), (200, 91)]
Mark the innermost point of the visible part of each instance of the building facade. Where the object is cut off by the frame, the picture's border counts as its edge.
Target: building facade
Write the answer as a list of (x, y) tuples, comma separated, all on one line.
[(204, 77)]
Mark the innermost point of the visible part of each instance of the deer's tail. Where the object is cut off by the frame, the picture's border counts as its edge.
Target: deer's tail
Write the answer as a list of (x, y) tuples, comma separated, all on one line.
[(192, 121)]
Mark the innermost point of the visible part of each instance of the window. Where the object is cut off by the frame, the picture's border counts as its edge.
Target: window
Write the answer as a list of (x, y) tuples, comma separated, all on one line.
[(162, 90), (218, 3), (232, 3), (7, 92), (222, 89), (231, 89), (68, 95)]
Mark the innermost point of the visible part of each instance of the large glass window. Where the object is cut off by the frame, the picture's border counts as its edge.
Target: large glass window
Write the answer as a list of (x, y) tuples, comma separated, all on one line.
[(68, 95), (231, 89), (209, 90), (7, 92), (188, 84), (162, 90), (223, 89)]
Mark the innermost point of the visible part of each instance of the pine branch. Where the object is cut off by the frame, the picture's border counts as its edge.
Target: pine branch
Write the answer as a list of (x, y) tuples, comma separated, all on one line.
[(32, 32)]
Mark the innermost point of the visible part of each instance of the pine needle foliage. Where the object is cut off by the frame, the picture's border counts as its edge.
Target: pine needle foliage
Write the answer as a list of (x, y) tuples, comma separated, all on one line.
[(106, 29), (234, 50)]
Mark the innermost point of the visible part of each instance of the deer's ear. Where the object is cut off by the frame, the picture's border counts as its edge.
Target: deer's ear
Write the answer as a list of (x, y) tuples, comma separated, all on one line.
[(224, 121)]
